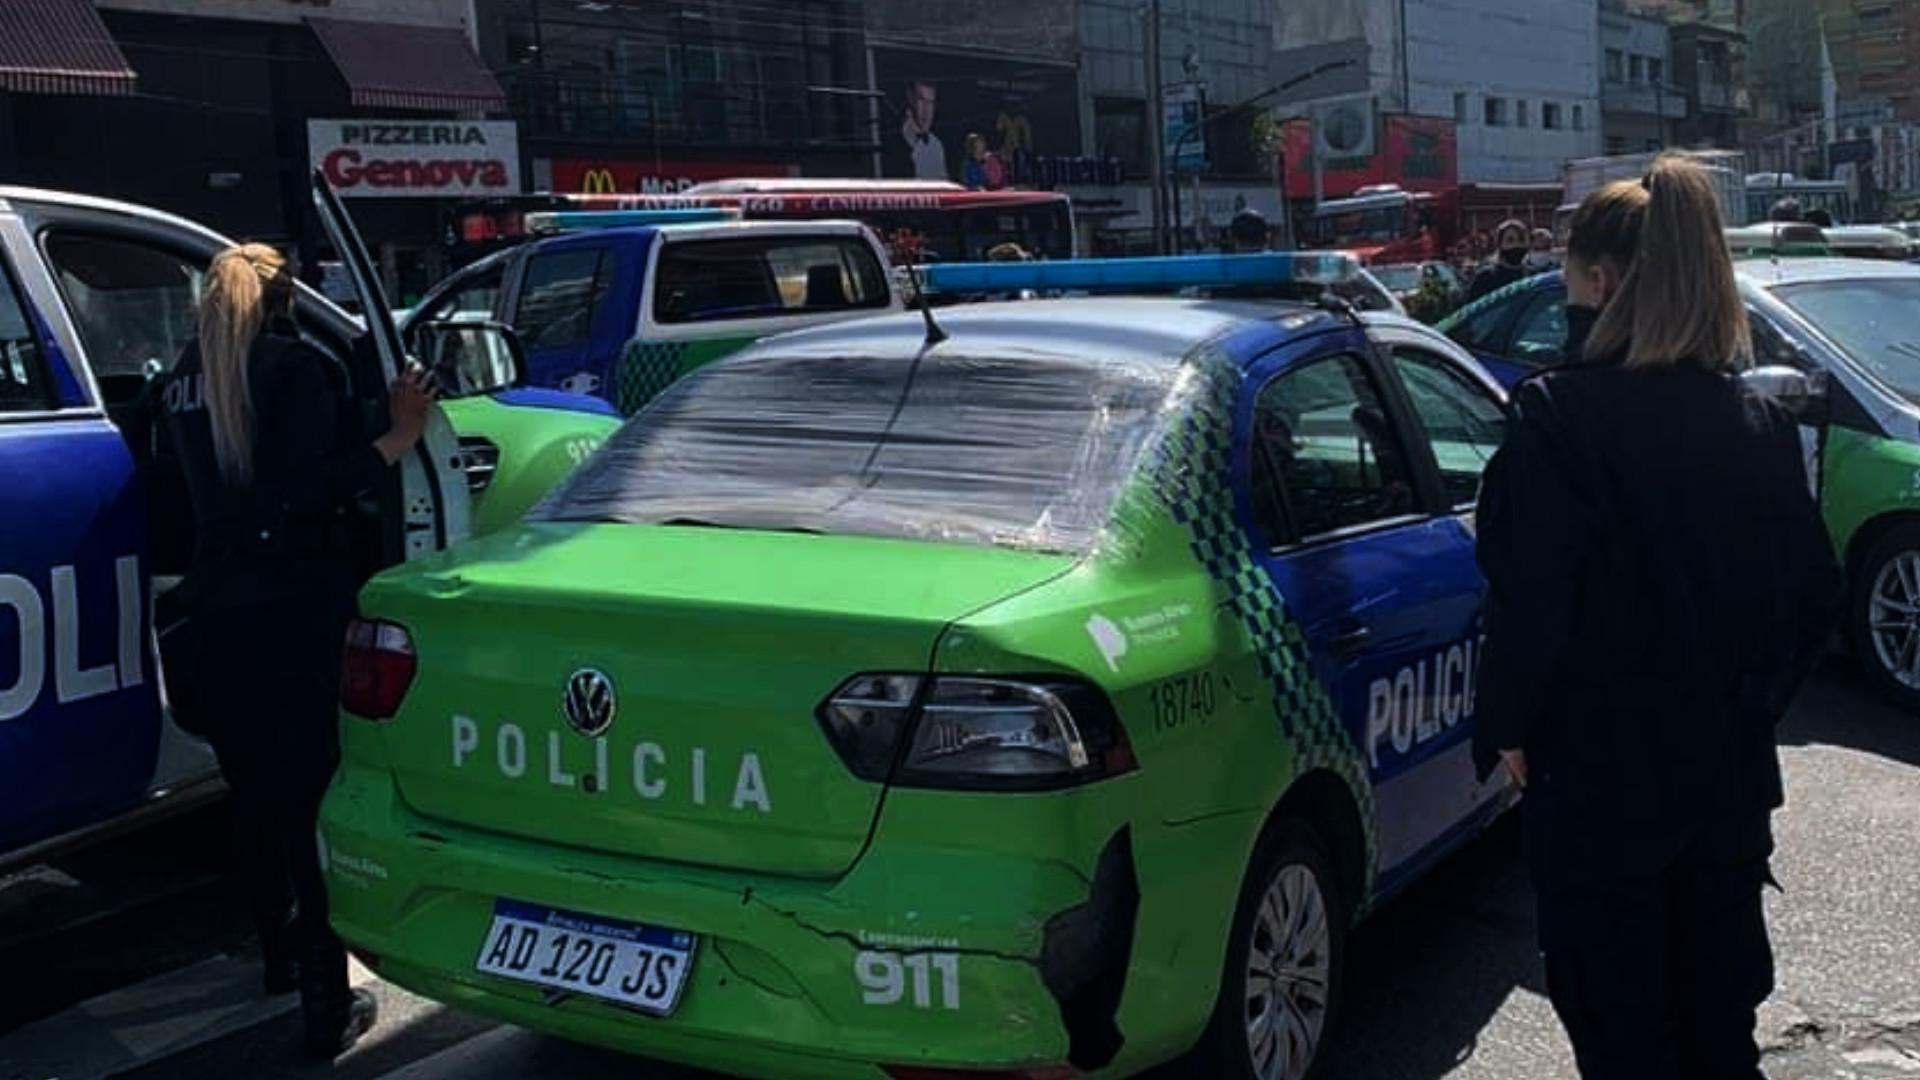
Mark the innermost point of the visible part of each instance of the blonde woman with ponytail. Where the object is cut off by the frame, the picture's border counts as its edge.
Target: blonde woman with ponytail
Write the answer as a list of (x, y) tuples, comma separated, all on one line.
[(265, 429), (1659, 583)]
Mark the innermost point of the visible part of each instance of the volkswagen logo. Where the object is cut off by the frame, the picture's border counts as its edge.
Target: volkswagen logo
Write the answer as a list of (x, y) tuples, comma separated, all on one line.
[(589, 703)]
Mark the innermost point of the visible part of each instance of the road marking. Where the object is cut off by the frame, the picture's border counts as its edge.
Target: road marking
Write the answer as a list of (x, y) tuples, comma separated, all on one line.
[(468, 1057), (148, 1021), (143, 1023)]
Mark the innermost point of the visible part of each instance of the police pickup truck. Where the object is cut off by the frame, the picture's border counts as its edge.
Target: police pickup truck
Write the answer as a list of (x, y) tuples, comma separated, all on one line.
[(97, 299), (620, 304)]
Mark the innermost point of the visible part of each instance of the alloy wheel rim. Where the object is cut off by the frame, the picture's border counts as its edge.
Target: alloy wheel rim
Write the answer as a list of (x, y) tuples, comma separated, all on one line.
[(1893, 618), (1289, 975)]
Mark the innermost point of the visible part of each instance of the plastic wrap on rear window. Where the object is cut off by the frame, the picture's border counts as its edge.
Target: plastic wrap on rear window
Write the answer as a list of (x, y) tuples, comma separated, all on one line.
[(1025, 451)]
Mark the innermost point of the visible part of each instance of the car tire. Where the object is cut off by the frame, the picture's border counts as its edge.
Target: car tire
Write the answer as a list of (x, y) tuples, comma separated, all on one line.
[(1888, 579), (1292, 893)]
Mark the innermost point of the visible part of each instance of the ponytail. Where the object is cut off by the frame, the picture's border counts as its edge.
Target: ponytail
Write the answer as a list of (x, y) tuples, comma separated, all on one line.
[(1678, 302), (244, 285)]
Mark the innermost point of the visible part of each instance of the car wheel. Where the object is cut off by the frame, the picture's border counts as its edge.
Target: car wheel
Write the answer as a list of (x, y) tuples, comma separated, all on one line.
[(1281, 988), (1883, 621)]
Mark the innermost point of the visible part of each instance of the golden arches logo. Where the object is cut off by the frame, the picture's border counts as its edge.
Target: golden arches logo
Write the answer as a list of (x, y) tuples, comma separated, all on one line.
[(598, 182)]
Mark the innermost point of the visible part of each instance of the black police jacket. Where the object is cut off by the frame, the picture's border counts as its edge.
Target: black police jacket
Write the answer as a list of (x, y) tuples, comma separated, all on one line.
[(311, 465), (1659, 583)]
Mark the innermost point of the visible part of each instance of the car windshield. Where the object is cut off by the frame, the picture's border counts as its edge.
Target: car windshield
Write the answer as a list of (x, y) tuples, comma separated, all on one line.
[(1402, 278), (1024, 451), (1876, 321)]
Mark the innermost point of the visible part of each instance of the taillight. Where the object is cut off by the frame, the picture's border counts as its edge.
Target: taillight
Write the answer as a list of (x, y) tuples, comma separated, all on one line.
[(975, 733), (378, 668)]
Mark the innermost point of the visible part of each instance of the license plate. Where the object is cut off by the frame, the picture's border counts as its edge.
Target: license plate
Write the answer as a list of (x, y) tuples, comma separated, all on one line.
[(641, 967)]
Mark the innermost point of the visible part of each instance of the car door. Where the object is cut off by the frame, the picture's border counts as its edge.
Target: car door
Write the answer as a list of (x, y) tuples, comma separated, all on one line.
[(80, 718), (1346, 506), (567, 312), (1459, 421), (434, 509)]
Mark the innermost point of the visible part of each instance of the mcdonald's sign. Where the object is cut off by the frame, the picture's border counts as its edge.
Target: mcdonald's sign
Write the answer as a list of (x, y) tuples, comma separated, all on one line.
[(585, 176)]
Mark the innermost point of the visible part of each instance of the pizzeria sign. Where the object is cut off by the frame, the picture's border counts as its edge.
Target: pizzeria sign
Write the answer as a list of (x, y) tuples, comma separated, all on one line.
[(416, 159)]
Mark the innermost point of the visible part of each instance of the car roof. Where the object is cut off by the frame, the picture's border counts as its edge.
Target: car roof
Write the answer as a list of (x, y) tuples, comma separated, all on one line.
[(716, 230), (1768, 273), (1142, 330), (76, 201)]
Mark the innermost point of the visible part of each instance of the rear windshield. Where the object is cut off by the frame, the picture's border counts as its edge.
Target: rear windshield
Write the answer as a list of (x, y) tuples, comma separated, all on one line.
[(705, 280), (1011, 451)]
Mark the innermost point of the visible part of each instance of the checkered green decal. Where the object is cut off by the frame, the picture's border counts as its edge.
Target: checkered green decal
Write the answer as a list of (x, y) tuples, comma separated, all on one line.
[(1193, 471), (645, 370)]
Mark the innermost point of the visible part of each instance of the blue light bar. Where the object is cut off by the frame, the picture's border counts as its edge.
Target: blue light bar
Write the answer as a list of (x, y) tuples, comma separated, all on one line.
[(1156, 274), (560, 221)]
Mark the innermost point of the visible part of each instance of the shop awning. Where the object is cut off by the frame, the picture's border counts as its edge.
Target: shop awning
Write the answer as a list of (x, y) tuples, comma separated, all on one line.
[(431, 69), (59, 47)]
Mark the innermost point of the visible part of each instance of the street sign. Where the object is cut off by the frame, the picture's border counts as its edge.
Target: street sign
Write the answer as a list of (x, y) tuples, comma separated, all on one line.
[(1184, 110)]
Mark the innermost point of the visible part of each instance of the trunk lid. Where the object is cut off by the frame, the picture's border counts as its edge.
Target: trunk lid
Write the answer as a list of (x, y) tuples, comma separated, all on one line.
[(718, 646)]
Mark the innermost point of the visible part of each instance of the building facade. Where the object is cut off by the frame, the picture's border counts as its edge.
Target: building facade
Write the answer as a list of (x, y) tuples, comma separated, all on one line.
[(1874, 46), (215, 117), (1641, 104), (623, 95), (1518, 118), (1706, 63)]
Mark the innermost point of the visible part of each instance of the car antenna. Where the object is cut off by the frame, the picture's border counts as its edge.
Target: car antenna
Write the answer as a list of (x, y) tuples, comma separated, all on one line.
[(935, 335)]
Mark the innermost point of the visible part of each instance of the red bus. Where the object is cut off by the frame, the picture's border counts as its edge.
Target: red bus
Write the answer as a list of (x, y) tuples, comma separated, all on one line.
[(1384, 224), (919, 221)]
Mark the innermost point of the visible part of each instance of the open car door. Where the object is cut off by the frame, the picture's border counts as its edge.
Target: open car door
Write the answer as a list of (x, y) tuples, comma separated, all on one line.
[(434, 500)]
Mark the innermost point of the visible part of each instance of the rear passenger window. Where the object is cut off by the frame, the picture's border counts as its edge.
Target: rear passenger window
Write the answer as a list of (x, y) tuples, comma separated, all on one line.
[(560, 298), (136, 305), (1463, 423), (24, 386), (703, 280), (1325, 455)]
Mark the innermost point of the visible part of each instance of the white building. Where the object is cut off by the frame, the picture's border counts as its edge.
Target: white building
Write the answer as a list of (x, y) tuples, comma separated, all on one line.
[(1520, 77)]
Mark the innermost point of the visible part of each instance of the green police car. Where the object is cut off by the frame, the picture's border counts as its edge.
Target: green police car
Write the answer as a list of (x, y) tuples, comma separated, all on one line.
[(1039, 693)]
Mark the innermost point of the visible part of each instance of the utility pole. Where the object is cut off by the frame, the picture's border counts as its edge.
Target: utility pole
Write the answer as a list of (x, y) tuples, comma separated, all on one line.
[(1156, 127)]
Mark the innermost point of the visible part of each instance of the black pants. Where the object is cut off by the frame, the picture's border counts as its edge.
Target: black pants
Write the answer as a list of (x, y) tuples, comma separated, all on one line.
[(269, 684), (1657, 974)]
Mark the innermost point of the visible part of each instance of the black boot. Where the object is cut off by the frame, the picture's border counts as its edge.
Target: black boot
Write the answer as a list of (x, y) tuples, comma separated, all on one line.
[(335, 1015), (332, 1031)]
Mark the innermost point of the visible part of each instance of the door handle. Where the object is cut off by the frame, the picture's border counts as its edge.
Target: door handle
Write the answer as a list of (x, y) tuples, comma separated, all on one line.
[(1351, 640)]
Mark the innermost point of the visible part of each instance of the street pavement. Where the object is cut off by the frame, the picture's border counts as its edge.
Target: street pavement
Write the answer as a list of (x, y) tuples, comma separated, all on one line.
[(1443, 983)]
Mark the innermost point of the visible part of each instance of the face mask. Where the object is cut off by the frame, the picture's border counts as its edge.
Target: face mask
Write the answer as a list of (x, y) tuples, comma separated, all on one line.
[(1513, 256), (1539, 260)]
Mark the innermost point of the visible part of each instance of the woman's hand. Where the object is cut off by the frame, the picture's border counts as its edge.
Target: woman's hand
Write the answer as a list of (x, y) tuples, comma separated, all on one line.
[(1516, 763), (409, 400)]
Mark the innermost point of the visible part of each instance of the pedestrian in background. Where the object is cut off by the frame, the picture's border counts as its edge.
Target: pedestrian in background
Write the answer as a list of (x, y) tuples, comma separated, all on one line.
[(263, 426), (1819, 216), (1659, 584), (1511, 242), (1247, 232), (1787, 210), (1541, 258)]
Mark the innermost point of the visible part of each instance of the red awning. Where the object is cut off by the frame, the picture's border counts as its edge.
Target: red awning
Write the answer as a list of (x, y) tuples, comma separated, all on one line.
[(59, 47), (431, 69)]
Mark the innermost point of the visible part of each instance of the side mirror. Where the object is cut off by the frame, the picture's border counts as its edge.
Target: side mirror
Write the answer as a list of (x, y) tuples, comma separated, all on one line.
[(1804, 393), (469, 359)]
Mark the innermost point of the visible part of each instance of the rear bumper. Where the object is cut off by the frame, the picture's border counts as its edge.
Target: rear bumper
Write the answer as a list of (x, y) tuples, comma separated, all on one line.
[(775, 990)]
